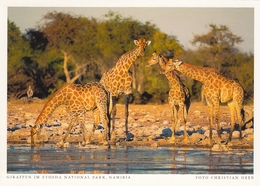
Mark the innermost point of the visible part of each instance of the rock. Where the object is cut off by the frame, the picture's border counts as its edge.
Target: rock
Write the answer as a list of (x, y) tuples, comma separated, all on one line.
[(30, 122), (120, 132), (196, 137), (166, 132), (205, 128), (223, 124), (156, 132), (139, 133), (235, 134), (250, 137), (249, 131), (196, 127), (135, 125), (150, 118), (154, 145), (166, 122), (22, 132), (46, 133), (146, 133), (9, 134), (214, 133), (196, 113), (142, 120), (129, 136), (218, 147)]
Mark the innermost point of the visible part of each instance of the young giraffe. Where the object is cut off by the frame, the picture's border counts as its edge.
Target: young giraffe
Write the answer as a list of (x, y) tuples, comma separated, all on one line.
[(179, 96), (118, 80), (78, 99), (216, 88)]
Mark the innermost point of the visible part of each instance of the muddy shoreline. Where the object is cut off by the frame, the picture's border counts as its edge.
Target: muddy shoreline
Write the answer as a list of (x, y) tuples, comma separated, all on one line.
[(149, 126)]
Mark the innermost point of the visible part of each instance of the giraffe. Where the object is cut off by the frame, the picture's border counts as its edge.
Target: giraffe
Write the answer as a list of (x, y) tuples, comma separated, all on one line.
[(179, 96), (78, 99), (216, 89), (118, 80)]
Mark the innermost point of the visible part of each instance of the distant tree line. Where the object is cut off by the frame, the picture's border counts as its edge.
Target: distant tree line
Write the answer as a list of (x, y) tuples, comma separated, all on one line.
[(66, 48)]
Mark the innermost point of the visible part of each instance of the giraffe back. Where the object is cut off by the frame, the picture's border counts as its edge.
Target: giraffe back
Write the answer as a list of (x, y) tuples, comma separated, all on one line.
[(76, 98)]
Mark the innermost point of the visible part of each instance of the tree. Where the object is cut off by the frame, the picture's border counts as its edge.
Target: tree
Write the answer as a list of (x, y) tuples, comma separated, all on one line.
[(18, 49), (73, 38), (218, 45)]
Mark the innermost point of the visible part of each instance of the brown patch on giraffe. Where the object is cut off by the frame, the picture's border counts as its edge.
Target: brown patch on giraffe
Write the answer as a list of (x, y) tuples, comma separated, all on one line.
[(76, 106)]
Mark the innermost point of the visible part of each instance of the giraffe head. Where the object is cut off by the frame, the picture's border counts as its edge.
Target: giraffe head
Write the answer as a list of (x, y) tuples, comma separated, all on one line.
[(153, 59), (142, 44), (171, 65), (156, 58), (35, 133)]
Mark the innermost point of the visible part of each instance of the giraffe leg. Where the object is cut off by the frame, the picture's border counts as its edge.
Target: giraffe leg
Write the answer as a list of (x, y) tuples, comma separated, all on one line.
[(105, 121), (210, 110), (61, 144), (127, 97), (183, 115), (114, 100), (174, 120), (216, 110), (241, 119), (82, 125), (233, 119), (96, 114)]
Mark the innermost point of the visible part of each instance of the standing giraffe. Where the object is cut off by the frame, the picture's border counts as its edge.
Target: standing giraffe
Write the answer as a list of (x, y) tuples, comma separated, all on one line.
[(179, 96), (118, 80), (216, 88), (78, 99)]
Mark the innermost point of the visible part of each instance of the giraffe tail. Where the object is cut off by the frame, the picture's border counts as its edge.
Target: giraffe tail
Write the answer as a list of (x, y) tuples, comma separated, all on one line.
[(110, 103)]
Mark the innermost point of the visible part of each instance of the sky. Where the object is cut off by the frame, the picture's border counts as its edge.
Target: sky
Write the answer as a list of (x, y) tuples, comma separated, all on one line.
[(183, 23)]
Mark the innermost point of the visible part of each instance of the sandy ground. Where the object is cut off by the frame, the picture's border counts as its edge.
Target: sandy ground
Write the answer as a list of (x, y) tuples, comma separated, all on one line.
[(149, 125)]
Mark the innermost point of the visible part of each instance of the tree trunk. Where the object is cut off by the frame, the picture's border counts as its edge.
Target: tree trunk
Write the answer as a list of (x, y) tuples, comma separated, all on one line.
[(65, 66), (134, 76), (79, 71)]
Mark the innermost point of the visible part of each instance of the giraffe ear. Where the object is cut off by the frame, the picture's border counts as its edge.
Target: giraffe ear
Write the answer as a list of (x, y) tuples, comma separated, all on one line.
[(177, 62), (136, 42), (148, 43)]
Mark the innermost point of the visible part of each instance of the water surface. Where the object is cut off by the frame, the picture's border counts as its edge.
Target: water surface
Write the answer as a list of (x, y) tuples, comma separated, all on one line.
[(126, 160)]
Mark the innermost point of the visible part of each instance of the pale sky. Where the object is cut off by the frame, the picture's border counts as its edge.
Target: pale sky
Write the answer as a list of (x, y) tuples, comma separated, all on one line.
[(181, 22)]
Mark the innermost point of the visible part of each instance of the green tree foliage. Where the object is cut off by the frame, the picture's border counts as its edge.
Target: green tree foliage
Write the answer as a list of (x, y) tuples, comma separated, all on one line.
[(74, 38), (67, 48), (218, 46), (217, 49), (18, 50)]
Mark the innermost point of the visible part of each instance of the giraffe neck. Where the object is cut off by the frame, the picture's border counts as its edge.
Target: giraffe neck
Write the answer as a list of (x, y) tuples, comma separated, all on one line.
[(56, 100), (173, 78), (127, 59), (162, 62), (198, 73)]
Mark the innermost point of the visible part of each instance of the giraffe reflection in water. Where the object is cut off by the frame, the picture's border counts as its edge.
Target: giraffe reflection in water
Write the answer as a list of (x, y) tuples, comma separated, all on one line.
[(127, 160)]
